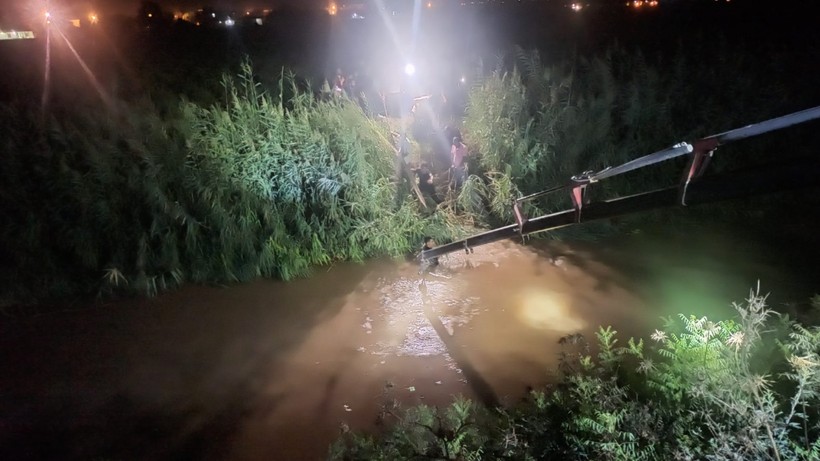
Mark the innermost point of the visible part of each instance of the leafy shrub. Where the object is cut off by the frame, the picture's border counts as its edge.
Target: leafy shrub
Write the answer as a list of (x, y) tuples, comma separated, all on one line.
[(128, 201), (744, 389), (535, 125)]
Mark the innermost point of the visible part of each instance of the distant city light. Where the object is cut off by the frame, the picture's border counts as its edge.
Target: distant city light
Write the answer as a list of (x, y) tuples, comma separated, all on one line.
[(230, 22), (16, 35), (641, 3)]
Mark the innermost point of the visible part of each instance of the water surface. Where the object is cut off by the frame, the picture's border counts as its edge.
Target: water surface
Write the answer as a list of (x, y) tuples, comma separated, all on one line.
[(272, 370)]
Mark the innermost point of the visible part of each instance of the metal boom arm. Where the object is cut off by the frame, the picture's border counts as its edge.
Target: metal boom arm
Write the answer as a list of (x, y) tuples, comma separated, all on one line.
[(693, 189)]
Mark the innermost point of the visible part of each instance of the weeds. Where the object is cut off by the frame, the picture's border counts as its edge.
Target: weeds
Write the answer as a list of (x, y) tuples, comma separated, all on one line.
[(697, 389), (268, 185)]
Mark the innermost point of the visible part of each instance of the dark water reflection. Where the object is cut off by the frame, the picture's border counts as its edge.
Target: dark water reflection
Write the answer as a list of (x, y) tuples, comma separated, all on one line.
[(270, 370)]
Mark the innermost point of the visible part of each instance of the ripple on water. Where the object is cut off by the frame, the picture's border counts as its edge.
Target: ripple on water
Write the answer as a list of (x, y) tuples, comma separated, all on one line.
[(406, 306)]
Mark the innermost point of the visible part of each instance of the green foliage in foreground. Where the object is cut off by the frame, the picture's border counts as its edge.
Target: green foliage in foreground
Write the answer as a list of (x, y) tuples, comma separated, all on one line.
[(130, 201), (740, 389)]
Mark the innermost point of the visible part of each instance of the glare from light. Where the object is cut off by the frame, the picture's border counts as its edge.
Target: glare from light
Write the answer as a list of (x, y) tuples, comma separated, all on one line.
[(545, 310), (463, 79), (409, 69), (332, 9), (230, 22), (91, 77), (391, 29), (93, 18), (150, 15), (46, 73)]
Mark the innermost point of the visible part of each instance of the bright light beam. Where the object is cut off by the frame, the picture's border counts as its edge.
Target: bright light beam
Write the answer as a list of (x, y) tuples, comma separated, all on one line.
[(91, 77), (46, 74), (390, 28), (416, 24)]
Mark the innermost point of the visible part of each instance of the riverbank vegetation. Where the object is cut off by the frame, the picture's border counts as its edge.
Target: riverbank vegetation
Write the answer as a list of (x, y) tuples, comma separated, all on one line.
[(533, 125), (128, 201), (138, 195), (745, 388)]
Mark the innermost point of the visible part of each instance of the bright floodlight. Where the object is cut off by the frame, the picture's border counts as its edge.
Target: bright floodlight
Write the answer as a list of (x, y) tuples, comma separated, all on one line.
[(409, 69)]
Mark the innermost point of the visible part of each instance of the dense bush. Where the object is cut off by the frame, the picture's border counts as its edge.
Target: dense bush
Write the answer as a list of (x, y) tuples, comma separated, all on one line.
[(743, 389), (534, 125), (267, 186)]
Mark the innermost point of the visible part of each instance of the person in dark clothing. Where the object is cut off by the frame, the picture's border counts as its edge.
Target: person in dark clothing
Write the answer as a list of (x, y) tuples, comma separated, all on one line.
[(425, 178), (451, 131)]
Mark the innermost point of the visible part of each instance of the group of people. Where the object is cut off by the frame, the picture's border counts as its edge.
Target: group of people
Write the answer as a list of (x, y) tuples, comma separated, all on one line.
[(353, 86), (458, 170)]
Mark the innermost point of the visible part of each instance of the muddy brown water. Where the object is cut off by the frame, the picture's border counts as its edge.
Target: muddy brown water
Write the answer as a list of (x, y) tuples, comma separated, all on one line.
[(271, 370)]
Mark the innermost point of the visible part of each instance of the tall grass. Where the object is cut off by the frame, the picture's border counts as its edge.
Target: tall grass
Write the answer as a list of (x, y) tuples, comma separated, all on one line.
[(268, 185), (537, 124)]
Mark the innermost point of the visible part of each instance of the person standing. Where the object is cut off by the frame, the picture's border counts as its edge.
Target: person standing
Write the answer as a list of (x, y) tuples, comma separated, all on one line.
[(339, 83), (425, 178), (458, 152)]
